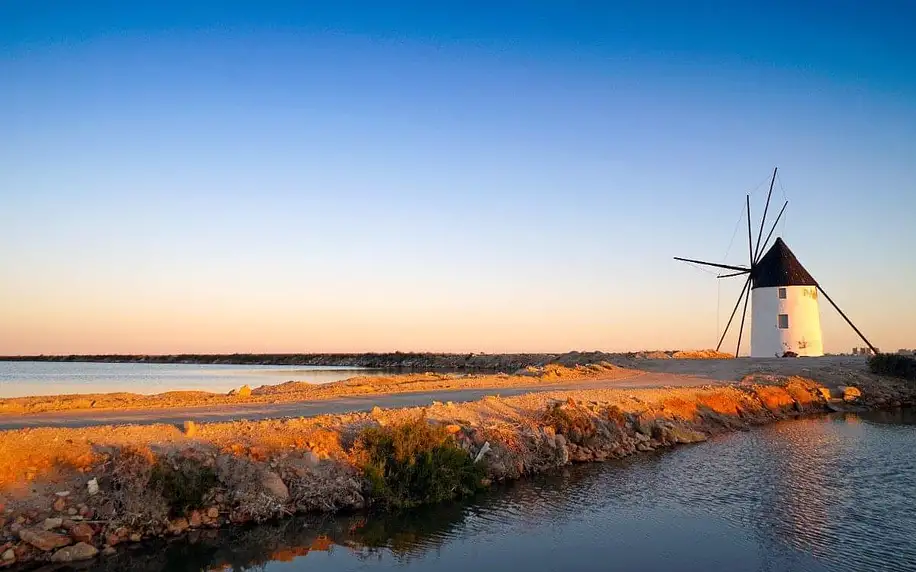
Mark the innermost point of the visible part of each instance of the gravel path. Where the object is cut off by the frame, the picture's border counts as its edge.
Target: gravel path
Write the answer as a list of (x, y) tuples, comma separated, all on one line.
[(256, 411)]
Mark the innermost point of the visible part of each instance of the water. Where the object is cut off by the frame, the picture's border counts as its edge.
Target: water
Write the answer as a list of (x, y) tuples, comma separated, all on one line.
[(829, 494), (54, 378)]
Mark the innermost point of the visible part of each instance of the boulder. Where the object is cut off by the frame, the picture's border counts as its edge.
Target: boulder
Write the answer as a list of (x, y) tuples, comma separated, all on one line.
[(82, 532), (8, 556), (275, 485), (60, 504), (75, 553), (851, 393), (683, 435), (42, 539), (51, 523), (243, 391)]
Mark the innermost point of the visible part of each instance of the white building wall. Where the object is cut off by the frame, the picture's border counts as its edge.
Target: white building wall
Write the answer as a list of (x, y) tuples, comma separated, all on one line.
[(803, 336)]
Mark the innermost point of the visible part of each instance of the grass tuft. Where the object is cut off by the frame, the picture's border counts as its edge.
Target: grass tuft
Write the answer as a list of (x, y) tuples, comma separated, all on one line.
[(415, 463)]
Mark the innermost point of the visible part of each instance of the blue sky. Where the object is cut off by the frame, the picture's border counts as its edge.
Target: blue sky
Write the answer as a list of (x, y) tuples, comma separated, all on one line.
[(228, 176)]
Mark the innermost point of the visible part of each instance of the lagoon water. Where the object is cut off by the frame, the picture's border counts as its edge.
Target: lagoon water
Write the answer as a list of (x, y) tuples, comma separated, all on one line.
[(55, 378), (828, 494)]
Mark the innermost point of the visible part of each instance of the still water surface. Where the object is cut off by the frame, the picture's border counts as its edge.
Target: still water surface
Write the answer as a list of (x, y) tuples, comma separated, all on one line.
[(828, 494), (54, 378)]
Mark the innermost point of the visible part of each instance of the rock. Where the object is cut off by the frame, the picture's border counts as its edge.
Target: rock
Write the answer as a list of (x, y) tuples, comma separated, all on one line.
[(82, 532), (8, 556), (482, 452), (190, 428), (43, 540), (93, 486), (51, 523), (112, 539), (213, 512), (60, 504), (274, 485), (452, 429), (194, 519), (825, 393), (75, 553), (178, 525), (243, 391), (683, 435), (560, 440), (109, 551), (72, 511), (644, 447), (135, 537), (851, 393)]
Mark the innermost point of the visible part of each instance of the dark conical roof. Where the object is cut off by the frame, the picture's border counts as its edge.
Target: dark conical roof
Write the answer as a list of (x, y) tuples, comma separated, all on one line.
[(779, 267)]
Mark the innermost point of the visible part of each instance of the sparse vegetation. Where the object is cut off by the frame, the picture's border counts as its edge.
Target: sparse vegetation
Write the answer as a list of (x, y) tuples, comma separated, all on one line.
[(895, 365), (184, 482), (415, 463)]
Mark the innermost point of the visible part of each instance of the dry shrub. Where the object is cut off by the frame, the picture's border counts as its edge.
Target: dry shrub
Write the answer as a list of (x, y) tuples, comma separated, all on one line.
[(326, 488), (570, 420), (243, 481), (894, 365), (415, 463), (128, 478), (185, 482), (617, 416)]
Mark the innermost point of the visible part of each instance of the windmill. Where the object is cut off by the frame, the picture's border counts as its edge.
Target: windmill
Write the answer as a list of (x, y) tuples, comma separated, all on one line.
[(784, 312)]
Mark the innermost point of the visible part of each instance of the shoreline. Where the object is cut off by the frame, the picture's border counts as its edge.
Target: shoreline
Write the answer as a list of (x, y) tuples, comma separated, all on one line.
[(275, 468), (380, 360)]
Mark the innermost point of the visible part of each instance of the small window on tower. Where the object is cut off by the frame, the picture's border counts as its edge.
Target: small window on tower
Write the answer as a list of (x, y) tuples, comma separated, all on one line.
[(782, 293), (783, 321)]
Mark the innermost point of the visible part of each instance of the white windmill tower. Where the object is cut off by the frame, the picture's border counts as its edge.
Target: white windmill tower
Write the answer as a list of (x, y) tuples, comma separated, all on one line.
[(784, 315)]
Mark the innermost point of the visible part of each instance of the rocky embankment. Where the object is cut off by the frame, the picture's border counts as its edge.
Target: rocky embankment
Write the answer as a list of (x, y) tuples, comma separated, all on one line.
[(390, 360), (74, 494)]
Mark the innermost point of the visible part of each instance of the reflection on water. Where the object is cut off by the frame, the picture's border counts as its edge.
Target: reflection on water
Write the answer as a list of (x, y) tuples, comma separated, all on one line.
[(836, 493)]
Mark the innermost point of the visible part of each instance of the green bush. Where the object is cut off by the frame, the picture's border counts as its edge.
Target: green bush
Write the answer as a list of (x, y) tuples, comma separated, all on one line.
[(184, 483), (415, 463), (895, 365)]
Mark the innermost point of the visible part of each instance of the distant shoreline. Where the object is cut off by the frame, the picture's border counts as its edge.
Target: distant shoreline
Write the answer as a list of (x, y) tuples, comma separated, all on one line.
[(371, 360)]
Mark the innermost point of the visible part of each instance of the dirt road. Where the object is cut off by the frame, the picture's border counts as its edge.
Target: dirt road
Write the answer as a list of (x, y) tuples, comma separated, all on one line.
[(831, 371), (257, 411)]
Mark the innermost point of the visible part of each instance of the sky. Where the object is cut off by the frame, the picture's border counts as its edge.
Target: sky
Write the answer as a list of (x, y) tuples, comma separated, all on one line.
[(444, 176)]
